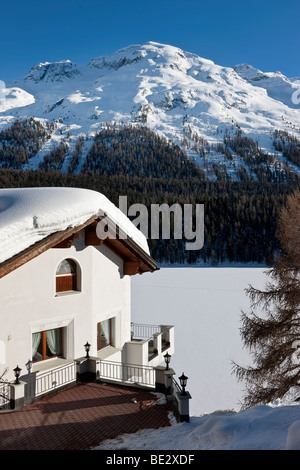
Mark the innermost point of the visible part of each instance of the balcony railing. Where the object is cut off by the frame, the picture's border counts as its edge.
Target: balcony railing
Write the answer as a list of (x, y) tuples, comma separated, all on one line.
[(150, 333), (55, 378), (142, 331), (143, 376), (4, 394), (38, 384)]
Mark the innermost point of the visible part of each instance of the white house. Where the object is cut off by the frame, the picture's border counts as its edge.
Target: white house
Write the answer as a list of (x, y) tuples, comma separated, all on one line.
[(63, 286)]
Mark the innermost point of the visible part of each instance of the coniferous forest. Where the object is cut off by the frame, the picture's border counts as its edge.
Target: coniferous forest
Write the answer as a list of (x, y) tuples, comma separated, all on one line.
[(240, 216)]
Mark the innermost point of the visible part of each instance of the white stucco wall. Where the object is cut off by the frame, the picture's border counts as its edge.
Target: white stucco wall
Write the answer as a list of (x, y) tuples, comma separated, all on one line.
[(29, 304)]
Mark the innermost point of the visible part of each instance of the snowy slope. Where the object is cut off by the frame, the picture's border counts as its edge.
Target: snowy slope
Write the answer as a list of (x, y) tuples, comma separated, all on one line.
[(176, 93), (276, 84), (205, 306), (260, 428)]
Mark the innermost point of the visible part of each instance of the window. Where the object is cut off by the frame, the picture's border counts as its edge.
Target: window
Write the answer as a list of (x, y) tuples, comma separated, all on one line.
[(66, 276), (46, 344), (104, 334)]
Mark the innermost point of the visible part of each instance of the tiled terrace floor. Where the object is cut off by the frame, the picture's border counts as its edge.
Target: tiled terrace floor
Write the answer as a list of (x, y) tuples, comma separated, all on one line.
[(80, 417)]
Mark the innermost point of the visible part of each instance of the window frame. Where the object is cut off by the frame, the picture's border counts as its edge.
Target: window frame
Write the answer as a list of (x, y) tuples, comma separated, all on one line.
[(68, 279), (99, 347), (44, 345)]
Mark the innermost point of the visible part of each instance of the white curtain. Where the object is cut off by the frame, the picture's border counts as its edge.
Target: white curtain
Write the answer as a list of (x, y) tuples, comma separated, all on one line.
[(53, 341), (36, 338), (105, 330)]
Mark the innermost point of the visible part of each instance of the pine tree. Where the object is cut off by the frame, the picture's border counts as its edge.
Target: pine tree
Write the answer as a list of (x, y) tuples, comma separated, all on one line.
[(274, 335)]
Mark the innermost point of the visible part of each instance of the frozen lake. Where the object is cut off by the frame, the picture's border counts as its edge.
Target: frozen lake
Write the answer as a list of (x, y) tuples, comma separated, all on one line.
[(205, 306)]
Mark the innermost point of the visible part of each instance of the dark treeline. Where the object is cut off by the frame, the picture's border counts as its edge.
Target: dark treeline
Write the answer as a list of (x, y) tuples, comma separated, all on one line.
[(21, 141), (288, 145), (55, 158), (133, 161), (136, 150), (261, 165), (240, 217)]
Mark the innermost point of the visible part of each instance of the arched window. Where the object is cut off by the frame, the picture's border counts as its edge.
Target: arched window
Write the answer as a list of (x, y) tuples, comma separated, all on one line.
[(67, 276)]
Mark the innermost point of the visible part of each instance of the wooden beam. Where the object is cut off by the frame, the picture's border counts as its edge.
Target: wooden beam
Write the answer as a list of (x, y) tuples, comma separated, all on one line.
[(135, 258), (67, 243), (38, 248), (91, 239), (131, 267)]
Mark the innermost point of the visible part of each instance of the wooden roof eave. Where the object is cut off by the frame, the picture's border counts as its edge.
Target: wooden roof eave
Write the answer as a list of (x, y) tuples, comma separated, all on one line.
[(118, 241), (136, 260), (40, 247)]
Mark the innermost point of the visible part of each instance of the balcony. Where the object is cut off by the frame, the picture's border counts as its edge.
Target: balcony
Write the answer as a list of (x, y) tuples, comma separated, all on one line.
[(149, 343)]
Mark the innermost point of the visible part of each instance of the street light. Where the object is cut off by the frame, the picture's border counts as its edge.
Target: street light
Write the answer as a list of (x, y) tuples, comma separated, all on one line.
[(183, 381), (17, 372), (167, 360), (87, 348)]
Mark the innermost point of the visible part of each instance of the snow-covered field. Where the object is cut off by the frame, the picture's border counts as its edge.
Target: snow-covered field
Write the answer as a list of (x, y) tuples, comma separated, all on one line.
[(205, 306), (260, 428)]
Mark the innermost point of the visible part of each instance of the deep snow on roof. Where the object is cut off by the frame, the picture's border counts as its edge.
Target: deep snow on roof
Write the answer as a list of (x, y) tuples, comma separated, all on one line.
[(27, 215)]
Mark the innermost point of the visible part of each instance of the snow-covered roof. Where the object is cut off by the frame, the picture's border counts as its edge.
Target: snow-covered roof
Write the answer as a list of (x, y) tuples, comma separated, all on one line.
[(28, 215)]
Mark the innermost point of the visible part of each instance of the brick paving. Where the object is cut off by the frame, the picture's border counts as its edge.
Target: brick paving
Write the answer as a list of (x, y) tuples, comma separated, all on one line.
[(80, 417)]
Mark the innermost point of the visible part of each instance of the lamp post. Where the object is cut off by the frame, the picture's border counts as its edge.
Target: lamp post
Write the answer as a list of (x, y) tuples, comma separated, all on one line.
[(87, 348), (183, 382), (28, 365), (167, 360), (17, 372)]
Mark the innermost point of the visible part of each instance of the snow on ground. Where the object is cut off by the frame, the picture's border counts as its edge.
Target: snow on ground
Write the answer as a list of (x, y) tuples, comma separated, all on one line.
[(260, 428), (205, 306), (15, 98)]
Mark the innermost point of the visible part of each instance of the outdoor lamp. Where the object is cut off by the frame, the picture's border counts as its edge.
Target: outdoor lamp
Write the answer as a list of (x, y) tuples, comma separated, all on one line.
[(87, 348), (183, 381), (28, 365), (167, 360), (131, 331), (17, 371)]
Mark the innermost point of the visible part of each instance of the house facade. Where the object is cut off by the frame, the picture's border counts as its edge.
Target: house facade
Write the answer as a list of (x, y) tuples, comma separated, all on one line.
[(66, 294)]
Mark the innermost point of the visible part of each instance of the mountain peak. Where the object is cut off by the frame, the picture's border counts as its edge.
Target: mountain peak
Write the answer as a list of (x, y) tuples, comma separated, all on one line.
[(52, 71), (180, 95), (153, 52), (277, 85), (118, 59)]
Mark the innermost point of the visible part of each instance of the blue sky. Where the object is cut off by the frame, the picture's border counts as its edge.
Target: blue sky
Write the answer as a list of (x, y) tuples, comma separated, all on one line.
[(264, 33)]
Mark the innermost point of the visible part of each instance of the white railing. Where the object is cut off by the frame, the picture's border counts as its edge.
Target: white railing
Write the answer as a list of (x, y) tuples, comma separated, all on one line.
[(158, 337), (127, 373), (4, 394), (142, 331), (55, 378)]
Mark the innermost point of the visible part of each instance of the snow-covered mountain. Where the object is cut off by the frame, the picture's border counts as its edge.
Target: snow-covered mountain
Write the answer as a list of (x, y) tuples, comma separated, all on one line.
[(185, 98), (276, 84)]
